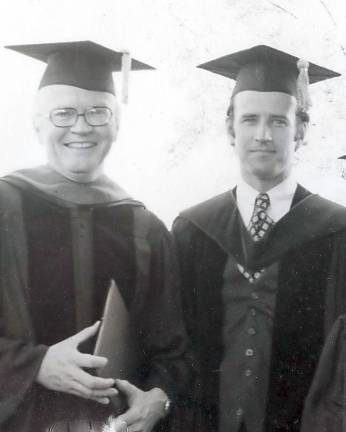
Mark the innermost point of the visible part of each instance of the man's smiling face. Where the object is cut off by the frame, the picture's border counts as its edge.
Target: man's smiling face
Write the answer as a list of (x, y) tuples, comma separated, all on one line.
[(77, 152)]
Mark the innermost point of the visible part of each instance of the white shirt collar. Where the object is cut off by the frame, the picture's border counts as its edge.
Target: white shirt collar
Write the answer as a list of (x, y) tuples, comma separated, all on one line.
[(281, 197)]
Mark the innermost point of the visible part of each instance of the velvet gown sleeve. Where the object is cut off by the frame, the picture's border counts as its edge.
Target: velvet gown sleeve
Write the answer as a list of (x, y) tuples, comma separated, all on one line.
[(325, 406), (185, 237), (182, 234), (19, 364), (20, 357)]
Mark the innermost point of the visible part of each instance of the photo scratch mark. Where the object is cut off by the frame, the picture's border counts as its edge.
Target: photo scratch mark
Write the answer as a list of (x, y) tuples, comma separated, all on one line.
[(283, 9), (331, 16), (328, 12)]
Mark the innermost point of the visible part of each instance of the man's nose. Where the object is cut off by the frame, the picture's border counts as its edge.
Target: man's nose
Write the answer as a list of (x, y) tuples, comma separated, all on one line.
[(81, 125), (263, 133)]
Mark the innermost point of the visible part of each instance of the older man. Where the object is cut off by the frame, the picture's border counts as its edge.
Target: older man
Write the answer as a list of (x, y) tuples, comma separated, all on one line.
[(263, 265), (67, 230)]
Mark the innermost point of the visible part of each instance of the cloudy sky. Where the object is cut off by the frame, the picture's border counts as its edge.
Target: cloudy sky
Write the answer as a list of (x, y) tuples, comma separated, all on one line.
[(172, 151)]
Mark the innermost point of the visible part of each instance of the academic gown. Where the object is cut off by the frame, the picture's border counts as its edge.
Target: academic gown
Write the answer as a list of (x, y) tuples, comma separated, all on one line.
[(325, 405), (56, 262), (309, 246)]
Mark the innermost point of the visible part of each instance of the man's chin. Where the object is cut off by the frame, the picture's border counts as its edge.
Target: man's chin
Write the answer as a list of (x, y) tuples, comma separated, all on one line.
[(264, 172), (81, 174), (270, 177)]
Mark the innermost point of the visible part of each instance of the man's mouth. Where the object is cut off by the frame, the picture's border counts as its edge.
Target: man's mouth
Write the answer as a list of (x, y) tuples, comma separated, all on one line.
[(80, 144), (262, 151)]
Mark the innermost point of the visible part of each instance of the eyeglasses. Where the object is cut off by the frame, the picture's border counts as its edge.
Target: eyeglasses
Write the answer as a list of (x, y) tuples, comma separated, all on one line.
[(67, 117)]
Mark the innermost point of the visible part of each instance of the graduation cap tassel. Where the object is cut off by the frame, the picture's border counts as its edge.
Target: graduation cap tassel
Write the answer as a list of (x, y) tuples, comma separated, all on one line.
[(125, 69), (304, 100)]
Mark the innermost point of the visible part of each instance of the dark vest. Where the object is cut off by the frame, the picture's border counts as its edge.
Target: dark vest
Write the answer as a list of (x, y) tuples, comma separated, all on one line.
[(247, 336)]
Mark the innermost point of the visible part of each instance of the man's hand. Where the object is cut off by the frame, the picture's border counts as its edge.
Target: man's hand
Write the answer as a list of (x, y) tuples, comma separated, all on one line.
[(145, 408), (62, 369)]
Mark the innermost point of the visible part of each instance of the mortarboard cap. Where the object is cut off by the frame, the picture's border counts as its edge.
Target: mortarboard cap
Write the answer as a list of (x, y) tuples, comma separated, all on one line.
[(83, 64), (265, 69)]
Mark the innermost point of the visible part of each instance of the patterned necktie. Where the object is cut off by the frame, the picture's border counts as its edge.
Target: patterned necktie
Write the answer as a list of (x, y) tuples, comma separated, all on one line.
[(260, 222), (259, 225)]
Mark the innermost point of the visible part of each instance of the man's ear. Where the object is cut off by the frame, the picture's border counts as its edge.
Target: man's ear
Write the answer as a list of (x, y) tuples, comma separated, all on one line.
[(230, 129), (301, 133)]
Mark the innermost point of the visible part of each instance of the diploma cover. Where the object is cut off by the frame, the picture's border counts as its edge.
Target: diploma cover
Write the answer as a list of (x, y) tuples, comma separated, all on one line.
[(117, 342)]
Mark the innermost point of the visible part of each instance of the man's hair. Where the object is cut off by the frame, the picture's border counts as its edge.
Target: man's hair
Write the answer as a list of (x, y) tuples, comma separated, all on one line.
[(301, 114)]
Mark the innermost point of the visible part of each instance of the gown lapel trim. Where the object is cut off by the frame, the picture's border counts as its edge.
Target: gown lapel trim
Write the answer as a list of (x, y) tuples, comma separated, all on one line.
[(220, 220)]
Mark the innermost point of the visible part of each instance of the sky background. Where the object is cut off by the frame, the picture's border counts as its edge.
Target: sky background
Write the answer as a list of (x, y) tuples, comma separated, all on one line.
[(173, 150)]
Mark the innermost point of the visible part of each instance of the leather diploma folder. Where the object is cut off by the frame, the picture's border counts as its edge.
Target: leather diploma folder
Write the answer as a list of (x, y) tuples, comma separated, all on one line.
[(116, 340)]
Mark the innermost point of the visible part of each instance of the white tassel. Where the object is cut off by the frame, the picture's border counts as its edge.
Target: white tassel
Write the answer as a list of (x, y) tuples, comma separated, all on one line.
[(304, 100), (125, 69)]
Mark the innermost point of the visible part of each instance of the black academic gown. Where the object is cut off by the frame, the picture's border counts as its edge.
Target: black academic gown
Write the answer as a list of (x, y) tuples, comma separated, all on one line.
[(309, 244), (325, 405), (48, 293)]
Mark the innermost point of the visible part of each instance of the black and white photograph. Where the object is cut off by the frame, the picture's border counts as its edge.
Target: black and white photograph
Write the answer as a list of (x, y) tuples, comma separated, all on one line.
[(173, 216)]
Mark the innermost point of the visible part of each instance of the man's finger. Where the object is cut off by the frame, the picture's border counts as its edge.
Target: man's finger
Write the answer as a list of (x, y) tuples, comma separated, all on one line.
[(126, 387), (138, 427), (91, 361), (104, 393), (129, 417), (85, 334), (78, 389), (93, 382)]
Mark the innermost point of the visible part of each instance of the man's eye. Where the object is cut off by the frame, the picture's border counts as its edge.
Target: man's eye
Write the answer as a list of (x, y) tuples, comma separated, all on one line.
[(279, 122), (62, 113), (249, 120)]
